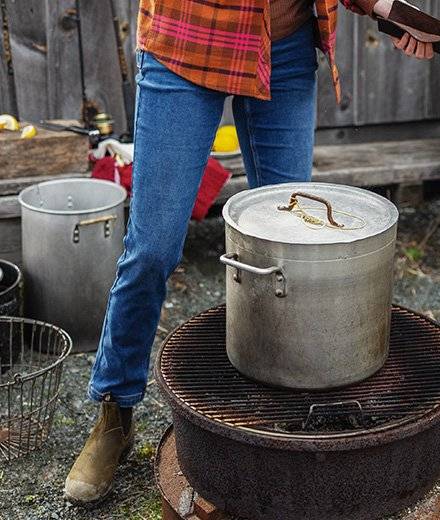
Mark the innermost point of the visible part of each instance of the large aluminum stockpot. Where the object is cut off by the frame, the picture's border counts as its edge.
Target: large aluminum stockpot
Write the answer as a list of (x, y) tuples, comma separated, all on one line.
[(72, 237), (308, 302)]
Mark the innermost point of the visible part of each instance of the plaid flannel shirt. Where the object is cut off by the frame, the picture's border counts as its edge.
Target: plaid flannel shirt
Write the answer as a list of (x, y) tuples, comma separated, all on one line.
[(225, 44)]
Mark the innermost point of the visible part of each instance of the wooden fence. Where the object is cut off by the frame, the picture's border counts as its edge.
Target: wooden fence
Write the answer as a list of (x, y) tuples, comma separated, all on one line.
[(380, 85)]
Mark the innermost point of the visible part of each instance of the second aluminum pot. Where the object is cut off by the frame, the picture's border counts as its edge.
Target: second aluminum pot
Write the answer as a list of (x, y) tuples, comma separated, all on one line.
[(309, 283), (72, 234)]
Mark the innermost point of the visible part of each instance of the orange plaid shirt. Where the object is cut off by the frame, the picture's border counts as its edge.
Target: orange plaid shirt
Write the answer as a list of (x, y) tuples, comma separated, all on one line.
[(225, 44)]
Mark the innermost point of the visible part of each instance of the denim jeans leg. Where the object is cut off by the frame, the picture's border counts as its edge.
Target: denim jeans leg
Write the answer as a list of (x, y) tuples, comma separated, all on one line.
[(176, 122), (277, 136)]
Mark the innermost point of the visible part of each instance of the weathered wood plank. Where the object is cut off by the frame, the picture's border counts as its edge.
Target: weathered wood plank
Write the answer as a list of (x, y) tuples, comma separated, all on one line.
[(14, 186), (133, 29), (392, 87), (405, 154), (63, 70), (127, 14), (48, 153), (432, 106), (29, 50), (375, 164), (426, 129), (6, 104), (10, 240), (101, 60), (329, 113), (9, 208)]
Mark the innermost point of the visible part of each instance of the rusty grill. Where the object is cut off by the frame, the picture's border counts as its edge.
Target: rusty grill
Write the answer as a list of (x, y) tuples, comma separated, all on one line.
[(195, 370)]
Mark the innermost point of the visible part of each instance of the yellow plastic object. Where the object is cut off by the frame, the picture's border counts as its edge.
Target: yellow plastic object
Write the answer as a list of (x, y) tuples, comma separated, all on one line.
[(226, 139), (28, 132), (9, 122)]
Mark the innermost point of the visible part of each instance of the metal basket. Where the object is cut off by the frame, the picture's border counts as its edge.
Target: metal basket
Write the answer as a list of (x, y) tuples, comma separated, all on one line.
[(31, 360)]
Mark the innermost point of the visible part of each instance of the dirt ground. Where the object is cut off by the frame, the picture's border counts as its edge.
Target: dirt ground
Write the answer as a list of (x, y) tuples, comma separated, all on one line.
[(31, 488)]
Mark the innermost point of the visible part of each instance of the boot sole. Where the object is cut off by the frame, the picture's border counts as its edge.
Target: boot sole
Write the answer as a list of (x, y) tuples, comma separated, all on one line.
[(96, 502)]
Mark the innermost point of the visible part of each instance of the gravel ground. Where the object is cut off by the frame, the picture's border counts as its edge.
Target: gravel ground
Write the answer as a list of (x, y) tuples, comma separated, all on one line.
[(31, 488)]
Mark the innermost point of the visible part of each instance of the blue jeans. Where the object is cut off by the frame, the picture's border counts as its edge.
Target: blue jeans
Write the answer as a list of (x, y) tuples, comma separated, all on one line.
[(175, 125)]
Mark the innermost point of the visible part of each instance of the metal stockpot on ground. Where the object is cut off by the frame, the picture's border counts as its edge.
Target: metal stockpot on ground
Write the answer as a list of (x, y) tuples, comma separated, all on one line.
[(11, 287), (72, 234), (11, 304)]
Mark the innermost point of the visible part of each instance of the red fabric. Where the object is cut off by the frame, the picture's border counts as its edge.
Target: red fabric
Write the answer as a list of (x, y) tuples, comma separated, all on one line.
[(104, 169), (214, 178), (125, 176)]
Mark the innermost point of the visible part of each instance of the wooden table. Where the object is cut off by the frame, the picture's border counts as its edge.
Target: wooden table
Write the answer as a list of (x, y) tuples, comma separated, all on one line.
[(48, 155)]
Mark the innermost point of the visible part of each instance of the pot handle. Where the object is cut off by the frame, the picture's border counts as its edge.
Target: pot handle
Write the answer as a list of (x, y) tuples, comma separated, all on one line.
[(293, 203), (106, 219), (231, 260), (321, 409)]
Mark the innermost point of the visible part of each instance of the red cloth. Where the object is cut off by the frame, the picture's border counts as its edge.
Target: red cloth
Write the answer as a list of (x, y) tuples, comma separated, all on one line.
[(125, 176), (107, 170), (104, 168), (213, 180)]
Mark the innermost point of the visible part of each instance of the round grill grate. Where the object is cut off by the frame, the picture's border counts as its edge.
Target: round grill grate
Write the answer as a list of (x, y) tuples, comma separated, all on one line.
[(195, 370)]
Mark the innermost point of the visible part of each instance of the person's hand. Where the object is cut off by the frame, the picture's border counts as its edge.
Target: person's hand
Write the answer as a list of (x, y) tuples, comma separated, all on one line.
[(415, 48)]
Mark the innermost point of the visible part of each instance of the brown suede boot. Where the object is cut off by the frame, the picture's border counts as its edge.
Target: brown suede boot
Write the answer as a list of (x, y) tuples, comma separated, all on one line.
[(91, 477)]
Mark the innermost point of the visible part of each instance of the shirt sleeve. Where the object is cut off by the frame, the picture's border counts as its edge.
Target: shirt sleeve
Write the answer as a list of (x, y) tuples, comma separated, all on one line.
[(361, 6)]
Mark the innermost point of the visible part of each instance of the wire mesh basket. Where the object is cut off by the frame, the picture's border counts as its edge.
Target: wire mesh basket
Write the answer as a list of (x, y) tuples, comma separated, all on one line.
[(31, 360)]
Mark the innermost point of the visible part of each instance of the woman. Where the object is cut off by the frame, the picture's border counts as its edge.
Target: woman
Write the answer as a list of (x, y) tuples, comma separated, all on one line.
[(192, 54)]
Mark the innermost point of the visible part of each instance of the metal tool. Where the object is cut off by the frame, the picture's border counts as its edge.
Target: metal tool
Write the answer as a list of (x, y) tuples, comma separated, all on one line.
[(104, 123), (93, 134)]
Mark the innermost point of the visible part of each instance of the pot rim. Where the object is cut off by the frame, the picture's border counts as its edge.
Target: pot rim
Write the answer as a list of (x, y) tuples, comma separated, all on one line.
[(24, 204), (19, 379), (17, 281), (243, 194)]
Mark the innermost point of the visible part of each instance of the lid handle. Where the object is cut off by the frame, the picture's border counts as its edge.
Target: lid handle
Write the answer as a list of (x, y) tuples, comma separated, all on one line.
[(293, 204)]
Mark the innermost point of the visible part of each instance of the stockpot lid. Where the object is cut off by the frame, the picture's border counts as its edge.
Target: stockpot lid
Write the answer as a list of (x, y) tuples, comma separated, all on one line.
[(362, 213)]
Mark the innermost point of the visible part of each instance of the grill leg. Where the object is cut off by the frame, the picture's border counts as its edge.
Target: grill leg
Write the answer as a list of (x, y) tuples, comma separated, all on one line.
[(168, 513), (203, 510)]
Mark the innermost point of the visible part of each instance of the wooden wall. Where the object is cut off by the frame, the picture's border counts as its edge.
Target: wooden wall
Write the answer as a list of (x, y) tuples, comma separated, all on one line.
[(380, 85), (46, 59)]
